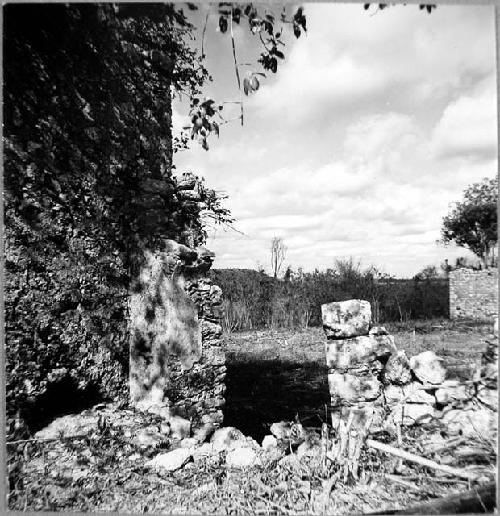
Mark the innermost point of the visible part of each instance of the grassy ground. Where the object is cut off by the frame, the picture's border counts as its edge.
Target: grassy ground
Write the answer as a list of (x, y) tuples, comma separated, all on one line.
[(271, 376), (274, 375)]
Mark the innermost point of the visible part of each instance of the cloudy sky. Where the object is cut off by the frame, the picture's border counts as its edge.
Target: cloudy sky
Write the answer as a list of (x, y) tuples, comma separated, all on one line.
[(373, 125)]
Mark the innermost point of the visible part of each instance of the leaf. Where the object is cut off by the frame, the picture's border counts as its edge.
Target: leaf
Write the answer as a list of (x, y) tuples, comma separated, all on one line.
[(296, 30), (255, 83), (223, 24), (204, 144), (247, 88), (366, 6), (215, 128)]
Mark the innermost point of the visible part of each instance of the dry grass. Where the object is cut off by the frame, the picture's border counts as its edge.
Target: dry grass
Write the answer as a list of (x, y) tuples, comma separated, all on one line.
[(271, 376)]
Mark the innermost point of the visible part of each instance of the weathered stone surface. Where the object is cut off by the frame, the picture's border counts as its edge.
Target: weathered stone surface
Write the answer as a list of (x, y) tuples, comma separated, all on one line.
[(409, 414), (148, 437), (242, 457), (397, 369), (411, 393), (170, 461), (452, 391), (204, 451), (351, 388), (488, 397), (346, 319), (285, 430), (269, 442), (227, 438), (350, 353), (471, 421), (69, 426), (473, 293), (188, 442), (180, 428), (427, 367)]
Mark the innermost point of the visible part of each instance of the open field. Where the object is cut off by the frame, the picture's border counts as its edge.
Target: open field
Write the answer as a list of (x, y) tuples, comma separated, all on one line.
[(278, 374)]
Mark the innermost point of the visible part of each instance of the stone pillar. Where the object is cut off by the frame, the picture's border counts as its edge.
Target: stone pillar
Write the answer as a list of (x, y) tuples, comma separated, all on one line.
[(355, 355), (177, 367)]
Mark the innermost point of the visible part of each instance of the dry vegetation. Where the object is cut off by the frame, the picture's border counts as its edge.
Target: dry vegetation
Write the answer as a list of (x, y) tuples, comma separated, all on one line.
[(271, 376)]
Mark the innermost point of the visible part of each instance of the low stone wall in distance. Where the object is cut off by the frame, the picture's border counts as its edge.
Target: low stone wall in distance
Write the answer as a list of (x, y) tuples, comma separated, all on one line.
[(473, 293)]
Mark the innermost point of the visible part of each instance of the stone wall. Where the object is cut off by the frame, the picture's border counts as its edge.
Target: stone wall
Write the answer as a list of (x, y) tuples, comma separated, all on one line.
[(473, 293), (177, 365), (369, 378)]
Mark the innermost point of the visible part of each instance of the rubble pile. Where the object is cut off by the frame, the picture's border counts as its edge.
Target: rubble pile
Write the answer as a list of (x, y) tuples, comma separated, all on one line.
[(369, 378)]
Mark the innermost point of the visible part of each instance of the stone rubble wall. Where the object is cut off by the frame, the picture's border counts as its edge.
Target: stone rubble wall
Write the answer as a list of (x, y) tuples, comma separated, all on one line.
[(369, 377), (177, 364), (473, 293)]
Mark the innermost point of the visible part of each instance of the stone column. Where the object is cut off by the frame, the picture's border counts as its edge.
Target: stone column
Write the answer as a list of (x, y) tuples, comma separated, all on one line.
[(355, 355)]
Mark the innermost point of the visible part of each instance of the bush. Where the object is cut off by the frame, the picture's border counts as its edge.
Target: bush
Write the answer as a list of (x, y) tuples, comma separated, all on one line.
[(252, 299)]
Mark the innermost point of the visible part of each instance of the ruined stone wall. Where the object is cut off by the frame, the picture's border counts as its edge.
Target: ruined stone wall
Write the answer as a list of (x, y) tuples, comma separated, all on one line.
[(369, 378), (473, 293), (177, 365)]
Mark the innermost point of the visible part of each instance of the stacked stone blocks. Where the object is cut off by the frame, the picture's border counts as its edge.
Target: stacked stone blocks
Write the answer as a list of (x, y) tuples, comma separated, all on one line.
[(473, 293)]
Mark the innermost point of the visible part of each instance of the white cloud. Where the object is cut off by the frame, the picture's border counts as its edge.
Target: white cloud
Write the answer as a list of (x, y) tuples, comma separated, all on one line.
[(371, 128), (468, 126)]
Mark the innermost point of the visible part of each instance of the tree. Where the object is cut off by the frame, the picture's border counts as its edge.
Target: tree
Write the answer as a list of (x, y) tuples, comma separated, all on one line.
[(472, 223), (278, 254)]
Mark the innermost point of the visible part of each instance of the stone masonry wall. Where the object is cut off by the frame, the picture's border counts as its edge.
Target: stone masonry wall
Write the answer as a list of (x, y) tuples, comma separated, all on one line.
[(177, 366), (473, 293)]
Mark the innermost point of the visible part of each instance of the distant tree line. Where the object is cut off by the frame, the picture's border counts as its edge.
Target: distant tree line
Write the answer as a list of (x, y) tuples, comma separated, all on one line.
[(252, 299)]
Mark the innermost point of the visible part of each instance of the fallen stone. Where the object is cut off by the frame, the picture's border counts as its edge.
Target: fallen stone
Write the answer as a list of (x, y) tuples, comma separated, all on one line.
[(148, 437), (471, 422), (349, 353), (242, 457), (204, 432), (427, 367), (68, 426), (180, 427), (269, 442), (415, 393), (170, 461), (352, 388), (397, 369), (310, 447), (452, 391), (188, 442), (204, 451), (346, 319), (288, 431), (410, 414), (227, 438)]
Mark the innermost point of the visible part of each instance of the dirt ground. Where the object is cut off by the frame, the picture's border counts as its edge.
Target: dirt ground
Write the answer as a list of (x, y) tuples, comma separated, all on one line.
[(272, 376)]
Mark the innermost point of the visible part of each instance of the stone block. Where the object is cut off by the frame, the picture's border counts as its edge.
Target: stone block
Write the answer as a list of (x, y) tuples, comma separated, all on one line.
[(170, 461), (353, 352), (452, 391), (346, 319), (397, 369), (427, 367), (242, 457), (347, 388), (471, 422), (409, 414)]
